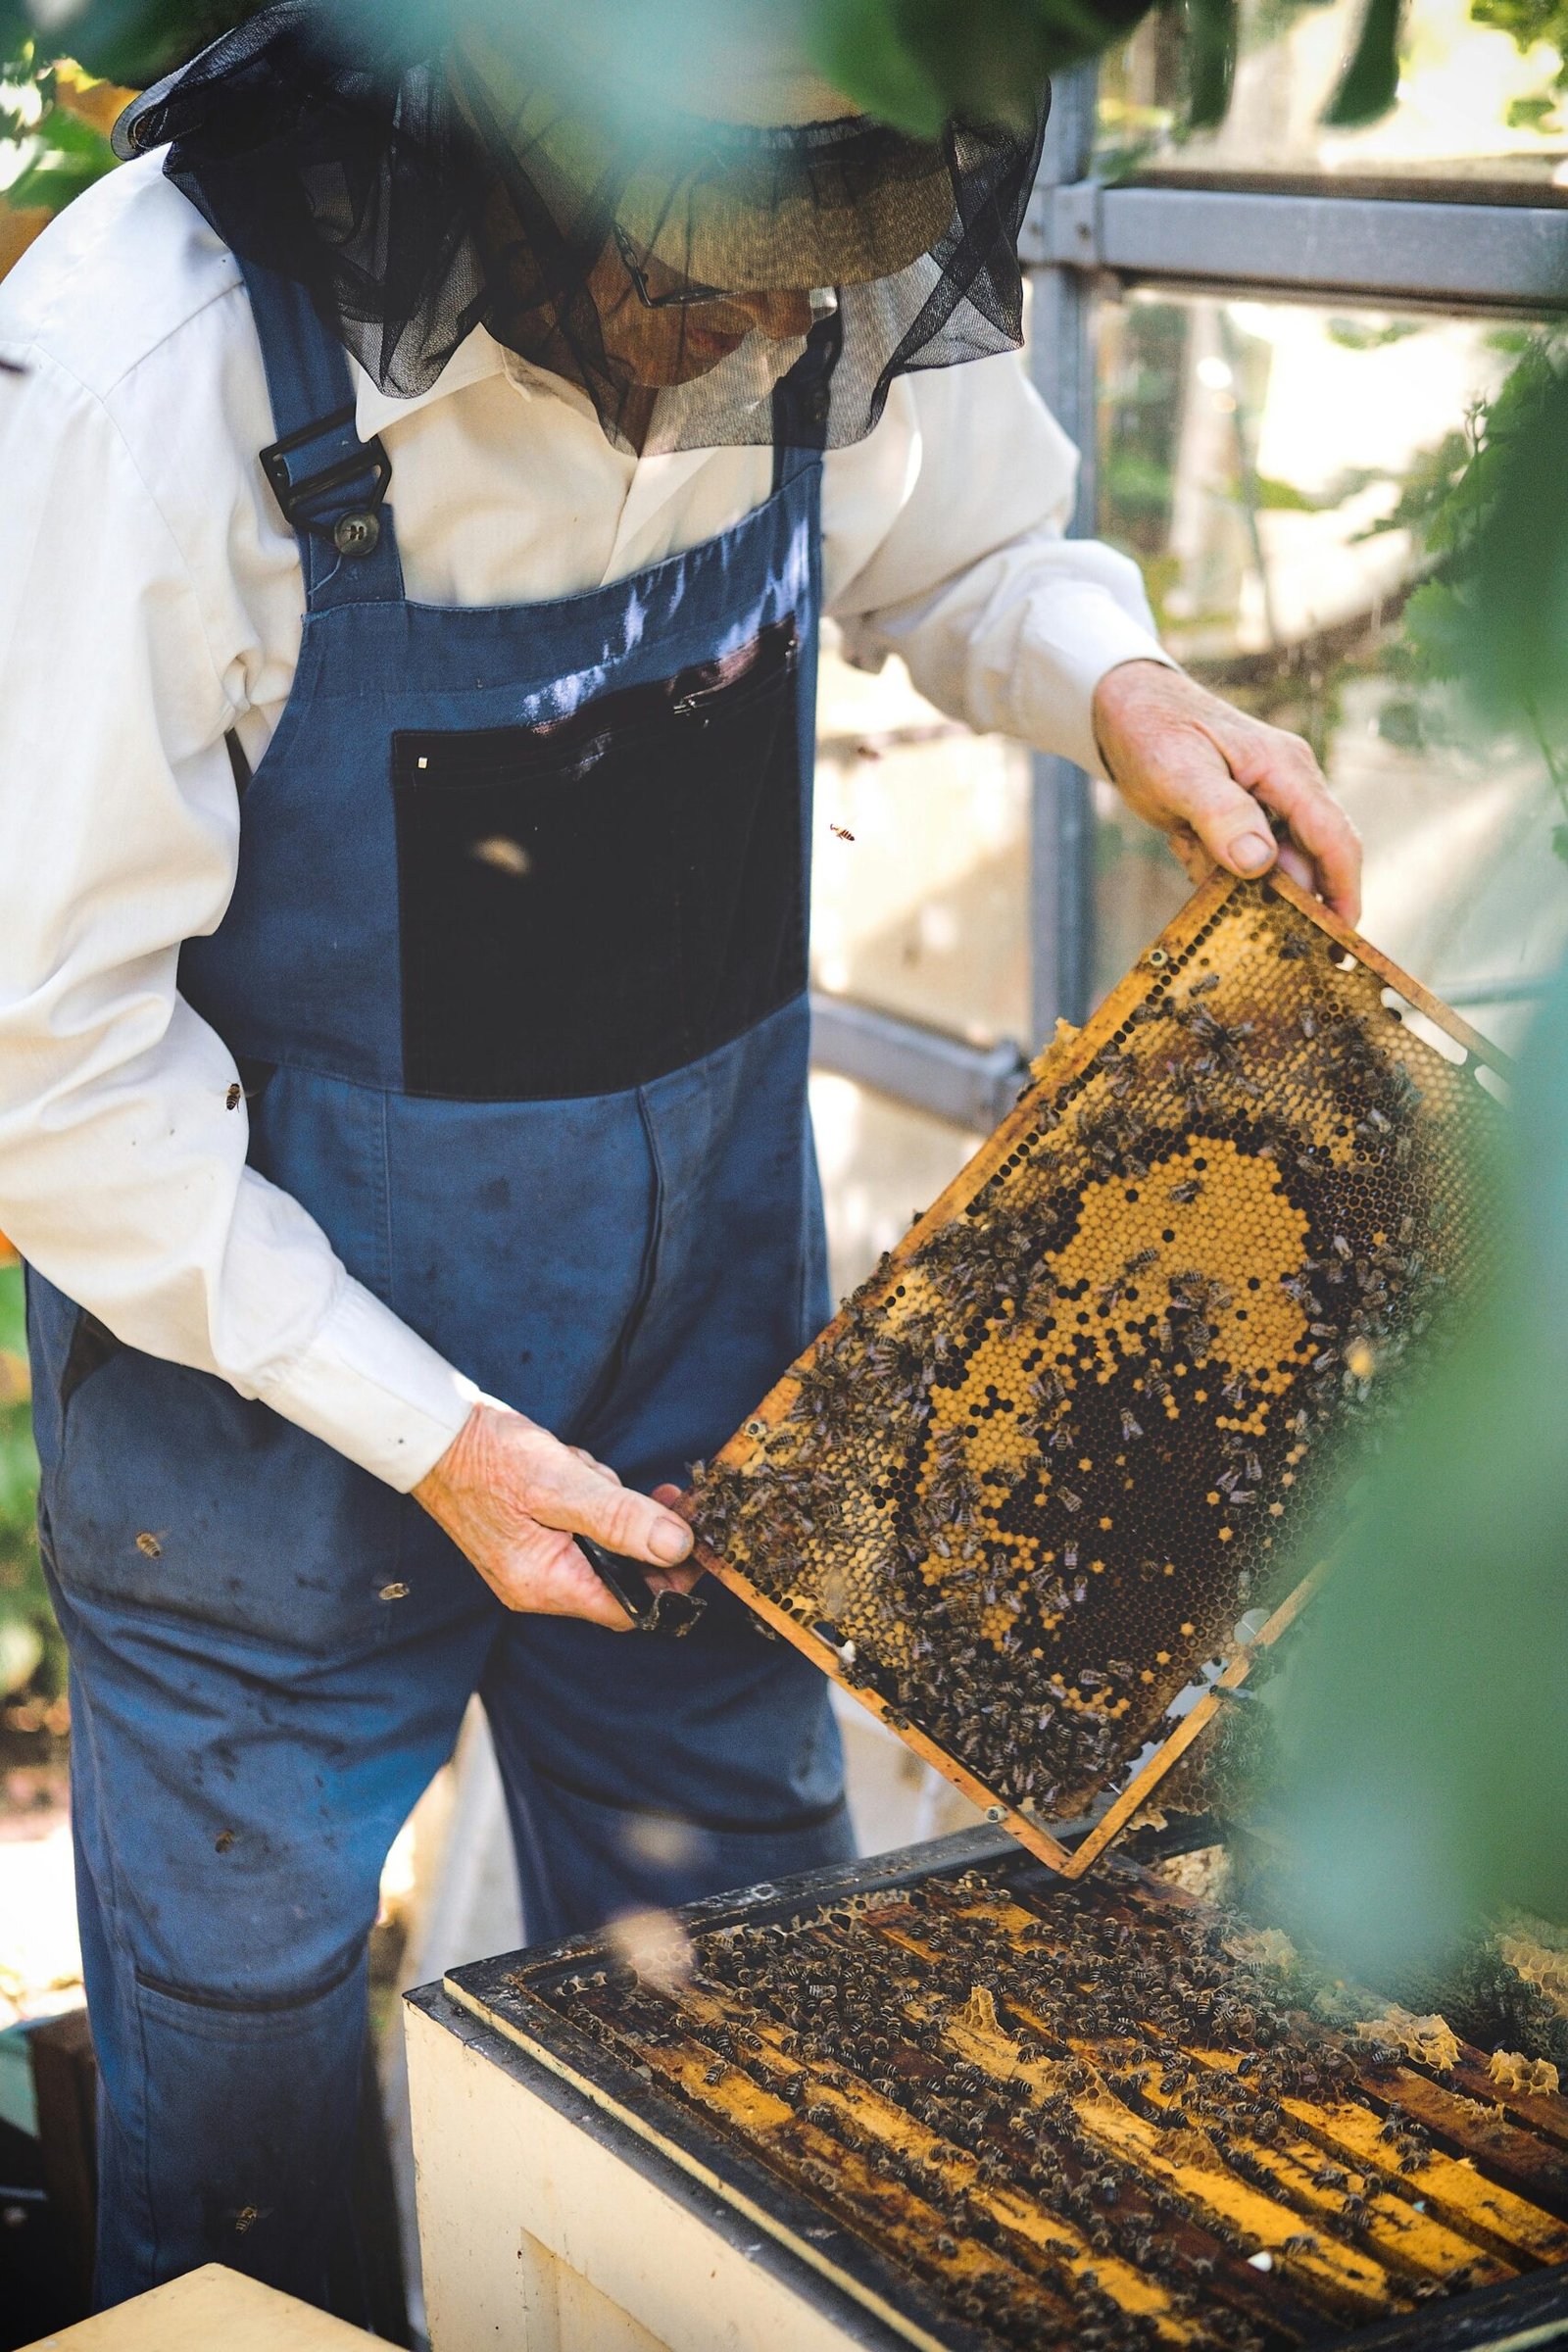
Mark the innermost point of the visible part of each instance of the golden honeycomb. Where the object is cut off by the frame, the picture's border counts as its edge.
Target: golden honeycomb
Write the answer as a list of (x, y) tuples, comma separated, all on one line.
[(1023, 1490), (1014, 2113)]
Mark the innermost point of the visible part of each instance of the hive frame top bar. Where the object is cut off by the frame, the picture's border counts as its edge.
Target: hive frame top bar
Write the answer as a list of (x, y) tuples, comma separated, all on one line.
[(1071, 1057)]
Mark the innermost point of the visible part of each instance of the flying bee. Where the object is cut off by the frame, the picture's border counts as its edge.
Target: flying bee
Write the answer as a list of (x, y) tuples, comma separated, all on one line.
[(234, 1097), (840, 833)]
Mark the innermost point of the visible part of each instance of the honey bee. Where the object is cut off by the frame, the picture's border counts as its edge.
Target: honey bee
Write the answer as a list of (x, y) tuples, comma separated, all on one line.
[(840, 833), (234, 1097)]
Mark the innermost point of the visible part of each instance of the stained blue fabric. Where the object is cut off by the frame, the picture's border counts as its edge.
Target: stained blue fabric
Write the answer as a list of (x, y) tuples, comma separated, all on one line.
[(270, 1652)]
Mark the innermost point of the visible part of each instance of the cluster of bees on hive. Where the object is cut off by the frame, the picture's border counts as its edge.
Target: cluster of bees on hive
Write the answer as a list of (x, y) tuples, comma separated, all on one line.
[(1058, 2114), (1029, 1480)]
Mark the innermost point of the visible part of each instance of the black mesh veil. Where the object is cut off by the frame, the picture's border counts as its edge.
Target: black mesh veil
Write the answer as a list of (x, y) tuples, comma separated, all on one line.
[(672, 274)]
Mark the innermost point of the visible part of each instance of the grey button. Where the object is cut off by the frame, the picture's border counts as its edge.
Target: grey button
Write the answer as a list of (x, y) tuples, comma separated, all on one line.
[(357, 534)]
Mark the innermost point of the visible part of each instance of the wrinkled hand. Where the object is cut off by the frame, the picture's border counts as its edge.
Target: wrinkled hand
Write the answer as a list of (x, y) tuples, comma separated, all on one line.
[(512, 1498), (1209, 777)]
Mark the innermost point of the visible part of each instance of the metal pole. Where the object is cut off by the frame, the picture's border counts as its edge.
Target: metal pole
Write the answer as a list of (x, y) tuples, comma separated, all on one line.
[(1062, 812)]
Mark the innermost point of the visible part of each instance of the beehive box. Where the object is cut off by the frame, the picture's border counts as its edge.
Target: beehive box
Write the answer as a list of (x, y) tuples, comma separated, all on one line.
[(1024, 1492), (994, 2110)]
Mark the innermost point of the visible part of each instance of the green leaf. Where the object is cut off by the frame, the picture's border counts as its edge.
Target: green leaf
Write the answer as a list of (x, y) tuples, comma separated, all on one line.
[(1211, 34), (1274, 497), (861, 50), (914, 63), (1438, 626), (1426, 1702), (129, 41), (1516, 642), (69, 156), (1532, 114), (13, 1312), (1371, 80)]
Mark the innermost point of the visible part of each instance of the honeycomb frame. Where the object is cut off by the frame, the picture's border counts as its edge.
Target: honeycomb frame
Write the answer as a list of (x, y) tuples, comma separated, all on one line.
[(1256, 1026)]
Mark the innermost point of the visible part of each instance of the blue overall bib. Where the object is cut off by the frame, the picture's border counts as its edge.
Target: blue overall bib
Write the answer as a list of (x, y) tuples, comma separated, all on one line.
[(515, 968)]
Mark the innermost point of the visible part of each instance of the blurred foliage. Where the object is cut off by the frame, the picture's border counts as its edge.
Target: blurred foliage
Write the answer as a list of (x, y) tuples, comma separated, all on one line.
[(1420, 1784), (1481, 503), (1426, 1720), (909, 61), (125, 41), (60, 122), (1528, 22), (29, 1646)]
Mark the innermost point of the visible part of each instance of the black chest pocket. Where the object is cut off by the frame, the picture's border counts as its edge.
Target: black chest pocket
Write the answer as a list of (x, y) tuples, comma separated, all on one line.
[(588, 904)]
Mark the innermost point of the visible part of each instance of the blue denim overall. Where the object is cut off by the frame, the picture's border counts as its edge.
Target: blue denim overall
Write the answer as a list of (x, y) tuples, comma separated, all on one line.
[(514, 969)]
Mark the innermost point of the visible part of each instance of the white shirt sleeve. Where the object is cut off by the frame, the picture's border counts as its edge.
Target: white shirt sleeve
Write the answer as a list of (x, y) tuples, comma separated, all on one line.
[(945, 544), (123, 1173)]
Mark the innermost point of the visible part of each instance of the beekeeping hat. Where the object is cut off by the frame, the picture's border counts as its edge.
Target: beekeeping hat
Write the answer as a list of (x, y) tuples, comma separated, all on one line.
[(728, 163), (596, 182)]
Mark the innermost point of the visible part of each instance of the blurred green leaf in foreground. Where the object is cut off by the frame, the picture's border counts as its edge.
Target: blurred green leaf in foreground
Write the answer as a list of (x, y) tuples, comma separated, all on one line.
[(911, 62), (29, 1646), (1425, 1719)]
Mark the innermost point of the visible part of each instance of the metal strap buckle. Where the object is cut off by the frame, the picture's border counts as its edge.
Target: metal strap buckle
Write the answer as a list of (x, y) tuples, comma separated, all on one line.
[(314, 498)]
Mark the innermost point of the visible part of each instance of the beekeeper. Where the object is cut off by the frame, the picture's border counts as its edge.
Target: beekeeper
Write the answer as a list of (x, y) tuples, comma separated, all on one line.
[(424, 473)]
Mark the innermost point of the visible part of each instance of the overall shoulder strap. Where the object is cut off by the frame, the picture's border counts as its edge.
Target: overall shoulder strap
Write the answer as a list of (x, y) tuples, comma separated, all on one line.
[(331, 485), (800, 404)]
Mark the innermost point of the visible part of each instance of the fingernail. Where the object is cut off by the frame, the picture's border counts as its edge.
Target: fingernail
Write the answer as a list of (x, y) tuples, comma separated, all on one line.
[(1250, 852), (671, 1541)]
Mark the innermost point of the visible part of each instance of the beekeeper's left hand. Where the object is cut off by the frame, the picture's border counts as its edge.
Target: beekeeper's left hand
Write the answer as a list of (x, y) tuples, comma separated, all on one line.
[(1209, 778)]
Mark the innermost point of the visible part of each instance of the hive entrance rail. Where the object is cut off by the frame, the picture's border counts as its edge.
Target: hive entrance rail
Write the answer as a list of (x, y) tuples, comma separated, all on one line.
[(1007, 2114), (1027, 1487)]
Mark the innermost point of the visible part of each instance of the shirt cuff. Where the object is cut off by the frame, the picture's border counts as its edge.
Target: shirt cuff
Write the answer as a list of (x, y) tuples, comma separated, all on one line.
[(1074, 634), (370, 1387)]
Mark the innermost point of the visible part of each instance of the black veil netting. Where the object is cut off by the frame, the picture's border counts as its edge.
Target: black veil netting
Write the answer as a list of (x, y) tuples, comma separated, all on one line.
[(419, 198)]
